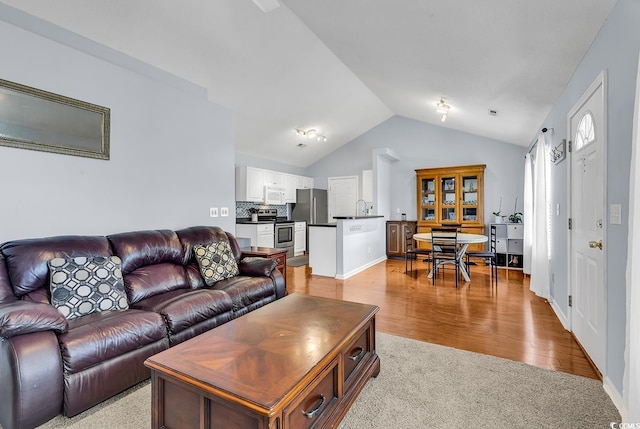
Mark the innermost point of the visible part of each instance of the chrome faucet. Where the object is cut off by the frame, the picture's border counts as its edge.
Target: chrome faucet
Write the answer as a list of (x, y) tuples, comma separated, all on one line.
[(364, 212)]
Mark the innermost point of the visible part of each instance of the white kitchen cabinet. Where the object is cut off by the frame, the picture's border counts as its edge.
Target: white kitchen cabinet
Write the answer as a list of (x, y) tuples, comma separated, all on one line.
[(303, 182), (300, 238), (290, 188), (273, 178), (260, 234), (249, 184)]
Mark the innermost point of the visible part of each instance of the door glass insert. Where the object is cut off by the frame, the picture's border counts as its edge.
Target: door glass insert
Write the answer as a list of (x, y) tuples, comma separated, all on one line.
[(585, 132)]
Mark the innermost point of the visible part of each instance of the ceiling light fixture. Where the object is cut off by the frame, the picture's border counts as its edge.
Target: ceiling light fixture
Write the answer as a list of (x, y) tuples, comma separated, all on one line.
[(310, 134), (443, 109)]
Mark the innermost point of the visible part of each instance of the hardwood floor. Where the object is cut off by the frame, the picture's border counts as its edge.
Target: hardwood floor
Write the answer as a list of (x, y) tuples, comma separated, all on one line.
[(508, 321)]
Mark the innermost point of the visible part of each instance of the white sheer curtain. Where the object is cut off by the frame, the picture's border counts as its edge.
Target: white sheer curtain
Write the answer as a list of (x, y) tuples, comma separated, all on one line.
[(539, 283), (632, 367), (528, 214)]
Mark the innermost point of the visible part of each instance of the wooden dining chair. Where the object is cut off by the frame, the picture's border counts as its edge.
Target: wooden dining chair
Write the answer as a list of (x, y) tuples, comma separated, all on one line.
[(444, 250), (411, 252), (487, 255)]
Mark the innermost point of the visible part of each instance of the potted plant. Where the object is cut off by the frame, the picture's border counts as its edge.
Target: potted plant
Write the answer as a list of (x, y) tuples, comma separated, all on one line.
[(516, 217), (496, 215)]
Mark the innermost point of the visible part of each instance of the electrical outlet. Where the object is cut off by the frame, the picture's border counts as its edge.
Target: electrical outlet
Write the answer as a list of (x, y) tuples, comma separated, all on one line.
[(213, 212), (224, 211)]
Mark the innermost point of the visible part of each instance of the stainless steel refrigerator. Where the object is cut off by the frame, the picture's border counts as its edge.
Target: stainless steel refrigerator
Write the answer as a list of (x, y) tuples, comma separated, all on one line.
[(311, 206)]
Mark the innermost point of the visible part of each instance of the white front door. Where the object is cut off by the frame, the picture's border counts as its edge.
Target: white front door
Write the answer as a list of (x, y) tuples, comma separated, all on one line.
[(343, 195), (587, 133)]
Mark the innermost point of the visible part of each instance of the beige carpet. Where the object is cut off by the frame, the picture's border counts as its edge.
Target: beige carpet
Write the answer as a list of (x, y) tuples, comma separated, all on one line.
[(422, 385)]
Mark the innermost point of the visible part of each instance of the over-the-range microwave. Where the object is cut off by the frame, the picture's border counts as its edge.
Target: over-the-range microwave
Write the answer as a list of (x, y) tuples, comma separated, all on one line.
[(273, 195)]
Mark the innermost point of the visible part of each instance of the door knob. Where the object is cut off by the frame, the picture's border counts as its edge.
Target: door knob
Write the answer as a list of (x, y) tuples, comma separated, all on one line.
[(594, 244)]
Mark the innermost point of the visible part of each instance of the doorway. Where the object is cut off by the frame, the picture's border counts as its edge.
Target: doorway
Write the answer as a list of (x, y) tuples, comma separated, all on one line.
[(343, 196), (586, 123)]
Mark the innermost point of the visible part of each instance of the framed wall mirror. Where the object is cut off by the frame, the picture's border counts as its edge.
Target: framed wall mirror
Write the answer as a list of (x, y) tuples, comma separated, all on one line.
[(39, 120)]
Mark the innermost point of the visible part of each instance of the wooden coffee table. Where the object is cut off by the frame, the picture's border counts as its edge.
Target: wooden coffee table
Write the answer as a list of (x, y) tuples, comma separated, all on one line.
[(298, 362)]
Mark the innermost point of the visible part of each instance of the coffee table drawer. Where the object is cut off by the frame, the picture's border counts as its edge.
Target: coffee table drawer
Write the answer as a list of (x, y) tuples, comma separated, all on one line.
[(315, 403), (357, 352)]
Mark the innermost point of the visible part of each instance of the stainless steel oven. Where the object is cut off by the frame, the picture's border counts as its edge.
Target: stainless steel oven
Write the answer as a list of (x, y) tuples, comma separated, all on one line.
[(284, 233)]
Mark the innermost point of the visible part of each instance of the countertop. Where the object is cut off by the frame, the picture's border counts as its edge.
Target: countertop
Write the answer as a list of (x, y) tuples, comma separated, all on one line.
[(248, 221), (358, 217)]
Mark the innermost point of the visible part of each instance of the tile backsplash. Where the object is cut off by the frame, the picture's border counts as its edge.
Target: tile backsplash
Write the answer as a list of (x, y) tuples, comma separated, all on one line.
[(242, 208)]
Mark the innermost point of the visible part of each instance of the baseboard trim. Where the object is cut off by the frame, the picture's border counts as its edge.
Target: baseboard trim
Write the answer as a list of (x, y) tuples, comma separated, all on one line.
[(616, 398), (360, 269), (559, 314)]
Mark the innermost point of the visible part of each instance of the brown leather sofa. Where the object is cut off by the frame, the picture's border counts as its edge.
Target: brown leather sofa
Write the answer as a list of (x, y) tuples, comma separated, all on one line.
[(49, 364)]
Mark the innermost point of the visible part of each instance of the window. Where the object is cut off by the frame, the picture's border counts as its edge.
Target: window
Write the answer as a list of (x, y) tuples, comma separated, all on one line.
[(585, 132)]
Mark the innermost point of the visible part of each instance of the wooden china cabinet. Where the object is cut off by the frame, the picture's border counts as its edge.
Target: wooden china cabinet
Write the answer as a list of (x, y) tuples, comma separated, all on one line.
[(451, 196)]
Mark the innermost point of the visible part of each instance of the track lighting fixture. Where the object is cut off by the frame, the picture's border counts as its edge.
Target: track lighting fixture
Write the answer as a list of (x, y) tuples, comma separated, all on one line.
[(443, 109), (310, 134)]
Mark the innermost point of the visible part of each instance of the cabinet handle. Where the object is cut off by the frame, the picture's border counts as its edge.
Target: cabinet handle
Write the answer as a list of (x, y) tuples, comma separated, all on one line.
[(357, 355), (311, 414)]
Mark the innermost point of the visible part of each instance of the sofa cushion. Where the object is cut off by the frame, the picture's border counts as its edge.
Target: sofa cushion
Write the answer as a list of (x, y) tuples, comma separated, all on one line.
[(244, 291), (105, 335), (85, 285), (194, 307), (186, 307), (142, 248), (153, 280), (202, 235), (27, 259), (151, 262), (6, 291), (216, 261)]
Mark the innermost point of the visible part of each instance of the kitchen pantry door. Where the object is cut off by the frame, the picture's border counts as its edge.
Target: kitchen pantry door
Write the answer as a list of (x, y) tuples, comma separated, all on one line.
[(343, 196), (587, 134)]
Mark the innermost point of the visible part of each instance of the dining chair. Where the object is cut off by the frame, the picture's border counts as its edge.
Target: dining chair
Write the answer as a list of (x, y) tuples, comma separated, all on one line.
[(444, 250), (487, 255), (411, 252), (457, 226)]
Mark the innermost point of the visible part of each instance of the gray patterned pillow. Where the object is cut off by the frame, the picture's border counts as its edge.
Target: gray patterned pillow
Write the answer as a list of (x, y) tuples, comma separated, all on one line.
[(85, 285), (216, 261)]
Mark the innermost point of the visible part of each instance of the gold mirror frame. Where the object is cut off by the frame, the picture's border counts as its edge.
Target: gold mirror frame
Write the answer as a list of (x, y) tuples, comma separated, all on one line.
[(34, 119)]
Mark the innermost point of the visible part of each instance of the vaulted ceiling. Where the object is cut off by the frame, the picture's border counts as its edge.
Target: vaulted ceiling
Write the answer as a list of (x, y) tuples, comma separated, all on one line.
[(344, 66)]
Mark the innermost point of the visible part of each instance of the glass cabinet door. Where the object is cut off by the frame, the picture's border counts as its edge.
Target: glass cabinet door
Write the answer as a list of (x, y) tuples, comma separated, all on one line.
[(448, 199), (469, 198), (428, 201)]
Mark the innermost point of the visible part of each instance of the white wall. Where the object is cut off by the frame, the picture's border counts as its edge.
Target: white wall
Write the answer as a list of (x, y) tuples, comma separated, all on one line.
[(421, 145), (172, 151), (616, 50)]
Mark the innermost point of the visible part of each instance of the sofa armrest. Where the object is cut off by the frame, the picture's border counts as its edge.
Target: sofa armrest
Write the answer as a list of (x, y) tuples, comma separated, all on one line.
[(22, 317), (279, 283), (253, 266), (32, 386)]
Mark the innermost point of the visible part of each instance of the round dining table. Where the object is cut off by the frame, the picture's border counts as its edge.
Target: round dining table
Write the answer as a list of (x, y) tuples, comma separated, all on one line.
[(464, 240)]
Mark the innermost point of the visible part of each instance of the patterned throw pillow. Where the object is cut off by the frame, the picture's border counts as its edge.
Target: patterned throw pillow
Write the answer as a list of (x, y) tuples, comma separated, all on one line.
[(85, 285), (216, 261)]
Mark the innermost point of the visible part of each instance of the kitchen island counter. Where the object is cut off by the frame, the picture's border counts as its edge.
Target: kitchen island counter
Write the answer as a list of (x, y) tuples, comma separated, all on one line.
[(344, 248)]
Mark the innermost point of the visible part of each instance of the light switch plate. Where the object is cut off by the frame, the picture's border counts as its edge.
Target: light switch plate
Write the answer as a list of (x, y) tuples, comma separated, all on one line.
[(615, 214), (213, 212), (224, 211)]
